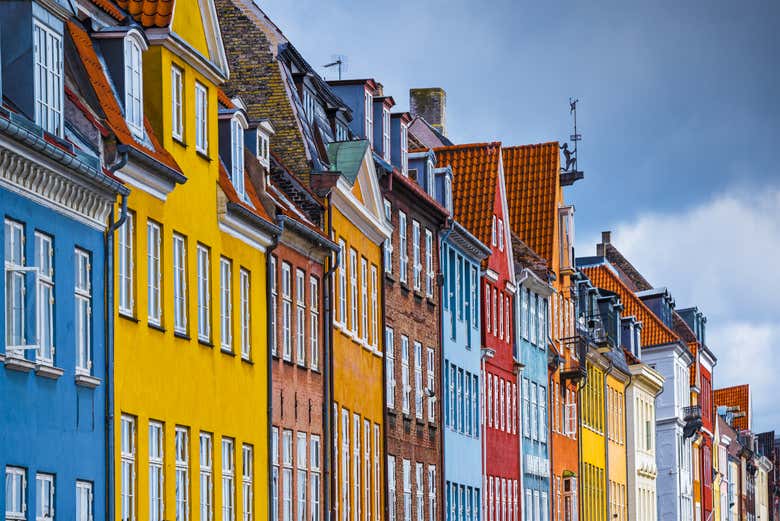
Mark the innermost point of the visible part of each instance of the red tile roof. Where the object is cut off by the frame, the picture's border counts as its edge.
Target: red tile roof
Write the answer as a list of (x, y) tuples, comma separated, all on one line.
[(474, 184), (737, 396), (253, 205), (224, 99), (114, 118), (149, 13), (532, 174), (109, 8), (654, 331)]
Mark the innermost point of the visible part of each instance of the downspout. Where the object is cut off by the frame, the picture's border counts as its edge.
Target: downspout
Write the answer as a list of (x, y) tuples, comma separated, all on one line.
[(108, 310), (519, 372), (328, 384), (444, 235), (606, 437), (269, 366)]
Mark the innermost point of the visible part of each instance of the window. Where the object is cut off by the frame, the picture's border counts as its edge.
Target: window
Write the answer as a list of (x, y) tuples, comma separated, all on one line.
[(341, 132), (526, 408), (494, 232), (391, 493), (237, 157), (429, 274), (345, 464), (300, 462), (388, 244), (84, 506), (418, 381), (47, 49), (44, 261), (154, 300), (286, 311), (542, 414), (342, 283), (182, 450), (402, 247), (179, 284), (369, 120), (374, 308), (126, 265), (386, 133), (263, 148), (314, 322), (487, 308), (405, 373), (206, 478), (201, 118), (287, 475), (204, 294), (353, 291), (246, 314), (407, 475), (134, 87), (225, 304), (377, 469), (300, 317), (275, 473), (314, 478), (356, 489), (272, 323), (390, 367), (416, 266), (247, 478), (156, 507), (308, 105), (364, 300), (432, 483), (430, 387), (501, 235), (418, 477), (44, 497), (127, 498), (367, 469), (15, 493), (228, 480), (177, 114)]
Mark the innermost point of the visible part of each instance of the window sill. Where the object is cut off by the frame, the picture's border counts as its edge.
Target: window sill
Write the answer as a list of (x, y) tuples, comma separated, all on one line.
[(205, 343), (90, 382), (16, 363), (179, 141), (158, 327), (183, 336), (389, 277), (226, 351), (405, 287), (125, 316), (247, 360), (429, 301), (49, 371), (391, 410), (203, 155)]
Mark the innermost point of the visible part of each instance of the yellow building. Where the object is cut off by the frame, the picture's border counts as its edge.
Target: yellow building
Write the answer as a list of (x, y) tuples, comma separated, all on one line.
[(593, 456), (617, 479), (191, 377), (355, 212)]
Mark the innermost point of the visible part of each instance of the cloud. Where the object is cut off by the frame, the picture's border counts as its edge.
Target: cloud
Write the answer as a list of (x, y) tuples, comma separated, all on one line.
[(721, 256)]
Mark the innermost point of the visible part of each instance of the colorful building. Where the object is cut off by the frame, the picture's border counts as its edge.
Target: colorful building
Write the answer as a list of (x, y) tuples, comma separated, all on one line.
[(57, 194), (191, 338)]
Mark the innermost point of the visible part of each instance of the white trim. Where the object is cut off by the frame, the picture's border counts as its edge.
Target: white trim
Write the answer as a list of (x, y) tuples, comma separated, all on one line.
[(141, 178), (492, 275), (180, 47), (247, 234)]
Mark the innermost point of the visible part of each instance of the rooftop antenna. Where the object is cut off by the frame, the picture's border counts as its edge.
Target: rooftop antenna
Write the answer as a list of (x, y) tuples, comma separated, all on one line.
[(570, 173), (340, 61)]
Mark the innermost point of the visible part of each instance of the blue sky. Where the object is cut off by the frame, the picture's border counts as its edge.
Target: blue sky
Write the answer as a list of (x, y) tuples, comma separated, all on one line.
[(680, 117)]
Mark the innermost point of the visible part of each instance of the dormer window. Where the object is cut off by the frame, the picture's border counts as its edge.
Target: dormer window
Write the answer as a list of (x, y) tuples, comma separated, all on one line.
[(308, 105), (501, 235), (369, 114), (386, 133), (404, 149), (566, 237), (341, 132), (429, 179), (237, 156), (47, 48), (134, 98), (263, 151), (448, 193)]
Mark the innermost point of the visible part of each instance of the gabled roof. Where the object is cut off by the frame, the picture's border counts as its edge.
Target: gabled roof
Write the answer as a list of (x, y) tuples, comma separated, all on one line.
[(736, 396), (532, 174), (253, 205), (474, 184), (109, 8), (114, 117), (654, 331), (423, 135), (347, 156), (149, 13)]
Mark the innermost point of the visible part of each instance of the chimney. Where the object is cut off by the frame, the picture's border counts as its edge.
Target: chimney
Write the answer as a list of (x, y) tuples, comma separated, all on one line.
[(431, 104), (606, 237)]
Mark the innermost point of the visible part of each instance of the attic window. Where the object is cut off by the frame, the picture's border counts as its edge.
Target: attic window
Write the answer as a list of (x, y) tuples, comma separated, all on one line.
[(263, 149), (134, 98), (404, 149), (237, 156), (448, 193), (308, 105), (369, 117), (386, 133), (47, 45), (341, 132)]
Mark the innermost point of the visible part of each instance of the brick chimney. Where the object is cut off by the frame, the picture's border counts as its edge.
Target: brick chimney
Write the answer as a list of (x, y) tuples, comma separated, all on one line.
[(606, 238), (431, 104)]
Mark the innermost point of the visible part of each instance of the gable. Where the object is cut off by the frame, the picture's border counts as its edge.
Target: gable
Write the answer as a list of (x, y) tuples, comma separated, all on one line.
[(188, 22)]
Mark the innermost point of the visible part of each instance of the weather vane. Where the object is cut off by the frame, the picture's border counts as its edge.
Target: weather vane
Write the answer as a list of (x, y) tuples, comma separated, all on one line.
[(570, 170)]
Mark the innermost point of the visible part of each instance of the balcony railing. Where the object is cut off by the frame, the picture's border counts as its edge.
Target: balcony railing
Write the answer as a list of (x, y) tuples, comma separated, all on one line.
[(574, 368), (692, 412)]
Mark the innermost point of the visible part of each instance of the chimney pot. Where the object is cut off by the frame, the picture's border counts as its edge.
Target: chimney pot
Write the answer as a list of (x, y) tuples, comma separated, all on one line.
[(431, 104)]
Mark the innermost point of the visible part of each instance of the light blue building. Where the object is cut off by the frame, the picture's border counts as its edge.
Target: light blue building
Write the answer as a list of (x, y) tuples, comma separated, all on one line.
[(531, 341), (56, 202), (461, 254)]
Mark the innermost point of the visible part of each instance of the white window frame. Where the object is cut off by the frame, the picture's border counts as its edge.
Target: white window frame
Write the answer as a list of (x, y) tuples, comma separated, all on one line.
[(237, 156), (201, 118), (206, 491), (84, 501), (274, 474), (404, 149), (431, 383), (44, 497), (403, 247), (273, 322), (353, 292), (315, 483), (429, 274), (369, 117), (377, 471), (367, 470), (416, 260), (247, 482), (44, 288), (126, 265), (388, 244), (134, 86), (405, 386), (204, 293), (432, 486), (226, 304), (342, 316), (300, 317), (391, 491), (374, 340), (314, 323), (287, 311), (419, 487), (364, 300), (177, 105), (154, 272), (301, 453), (48, 58), (418, 381), (228, 480), (345, 465), (386, 133), (407, 484), (179, 284), (128, 466), (182, 475), (156, 472), (18, 482), (356, 474), (390, 367)]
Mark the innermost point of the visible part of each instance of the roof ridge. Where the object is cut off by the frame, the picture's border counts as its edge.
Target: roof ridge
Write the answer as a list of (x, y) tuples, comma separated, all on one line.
[(487, 144), (545, 143)]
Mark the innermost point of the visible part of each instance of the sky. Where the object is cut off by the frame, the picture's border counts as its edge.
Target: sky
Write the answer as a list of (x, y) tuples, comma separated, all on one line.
[(679, 114)]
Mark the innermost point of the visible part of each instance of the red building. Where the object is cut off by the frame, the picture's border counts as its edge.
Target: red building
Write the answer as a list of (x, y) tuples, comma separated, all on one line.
[(480, 204)]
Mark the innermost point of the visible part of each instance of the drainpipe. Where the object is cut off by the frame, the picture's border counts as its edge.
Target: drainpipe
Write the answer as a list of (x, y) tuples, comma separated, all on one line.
[(328, 384), (444, 235), (606, 436), (519, 372), (269, 365), (108, 310)]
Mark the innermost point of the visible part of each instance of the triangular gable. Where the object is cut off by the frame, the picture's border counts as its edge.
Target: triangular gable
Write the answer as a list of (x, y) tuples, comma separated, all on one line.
[(196, 22), (508, 251), (367, 184)]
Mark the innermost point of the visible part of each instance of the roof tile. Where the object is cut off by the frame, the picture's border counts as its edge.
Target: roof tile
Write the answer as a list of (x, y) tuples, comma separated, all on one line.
[(736, 396), (149, 13)]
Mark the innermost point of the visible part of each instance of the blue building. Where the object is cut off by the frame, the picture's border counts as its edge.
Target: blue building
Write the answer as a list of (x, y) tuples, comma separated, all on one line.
[(56, 202), (460, 257), (532, 306)]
